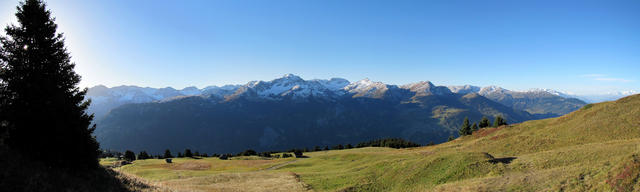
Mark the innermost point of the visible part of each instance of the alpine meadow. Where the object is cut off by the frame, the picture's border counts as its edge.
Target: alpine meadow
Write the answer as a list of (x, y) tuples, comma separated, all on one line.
[(313, 95)]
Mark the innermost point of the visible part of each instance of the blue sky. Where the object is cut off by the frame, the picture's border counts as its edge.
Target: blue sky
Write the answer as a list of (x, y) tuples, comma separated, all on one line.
[(583, 47)]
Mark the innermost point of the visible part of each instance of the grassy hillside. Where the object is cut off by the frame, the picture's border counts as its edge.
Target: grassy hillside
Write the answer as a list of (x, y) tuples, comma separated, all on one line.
[(596, 148)]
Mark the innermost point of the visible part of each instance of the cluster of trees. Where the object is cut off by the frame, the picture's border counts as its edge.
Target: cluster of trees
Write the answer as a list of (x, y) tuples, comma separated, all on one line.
[(130, 155), (468, 129), (390, 142)]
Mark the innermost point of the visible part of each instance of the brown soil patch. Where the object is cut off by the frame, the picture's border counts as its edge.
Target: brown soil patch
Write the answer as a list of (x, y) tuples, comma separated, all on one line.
[(190, 165), (485, 131), (498, 137)]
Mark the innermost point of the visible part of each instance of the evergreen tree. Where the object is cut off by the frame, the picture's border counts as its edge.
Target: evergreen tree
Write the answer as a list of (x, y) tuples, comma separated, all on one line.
[(43, 112), (197, 154), (180, 154), (298, 153), (326, 148), (465, 129), (167, 154), (348, 146), (474, 127), (129, 155), (499, 121), (451, 138), (143, 155), (484, 122), (187, 153)]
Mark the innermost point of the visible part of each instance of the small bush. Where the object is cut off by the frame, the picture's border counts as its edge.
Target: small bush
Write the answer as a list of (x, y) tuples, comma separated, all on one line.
[(248, 152), (187, 153), (129, 155), (587, 106), (298, 153)]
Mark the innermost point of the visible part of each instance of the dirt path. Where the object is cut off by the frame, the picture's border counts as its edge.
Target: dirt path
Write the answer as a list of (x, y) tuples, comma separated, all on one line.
[(280, 165)]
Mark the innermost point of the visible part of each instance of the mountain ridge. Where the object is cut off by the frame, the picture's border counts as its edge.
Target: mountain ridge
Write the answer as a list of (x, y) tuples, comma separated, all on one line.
[(104, 99)]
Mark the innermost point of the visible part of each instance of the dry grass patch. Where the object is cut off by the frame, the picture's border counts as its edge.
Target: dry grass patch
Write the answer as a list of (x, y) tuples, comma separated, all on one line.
[(248, 181), (190, 165)]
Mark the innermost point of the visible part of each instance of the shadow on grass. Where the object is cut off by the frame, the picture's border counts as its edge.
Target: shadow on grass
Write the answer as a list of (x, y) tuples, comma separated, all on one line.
[(505, 160)]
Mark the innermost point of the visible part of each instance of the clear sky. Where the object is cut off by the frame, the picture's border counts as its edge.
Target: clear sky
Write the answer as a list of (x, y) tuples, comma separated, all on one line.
[(578, 46)]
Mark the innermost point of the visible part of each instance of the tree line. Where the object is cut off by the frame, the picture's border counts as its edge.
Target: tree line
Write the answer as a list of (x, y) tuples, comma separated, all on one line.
[(468, 129), (297, 152)]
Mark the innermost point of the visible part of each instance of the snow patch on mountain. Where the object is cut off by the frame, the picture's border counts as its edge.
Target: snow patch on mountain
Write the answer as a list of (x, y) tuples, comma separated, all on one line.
[(333, 84), (464, 89), (293, 86), (367, 88), (492, 90), (424, 88)]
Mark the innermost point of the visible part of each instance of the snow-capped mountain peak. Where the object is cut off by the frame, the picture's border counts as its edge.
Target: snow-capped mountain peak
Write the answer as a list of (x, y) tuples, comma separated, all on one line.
[(366, 88), (492, 89), (333, 84), (363, 85), (464, 89), (551, 91), (424, 88), (289, 78)]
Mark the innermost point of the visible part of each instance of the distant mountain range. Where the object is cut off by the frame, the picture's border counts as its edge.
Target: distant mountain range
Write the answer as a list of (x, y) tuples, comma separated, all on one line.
[(541, 102), (292, 112), (609, 96)]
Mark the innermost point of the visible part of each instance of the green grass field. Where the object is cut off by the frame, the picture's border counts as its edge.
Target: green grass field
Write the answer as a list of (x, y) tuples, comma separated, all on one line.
[(596, 148)]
